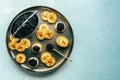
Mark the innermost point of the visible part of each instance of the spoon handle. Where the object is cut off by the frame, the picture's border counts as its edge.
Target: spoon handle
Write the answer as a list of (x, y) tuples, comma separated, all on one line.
[(62, 55)]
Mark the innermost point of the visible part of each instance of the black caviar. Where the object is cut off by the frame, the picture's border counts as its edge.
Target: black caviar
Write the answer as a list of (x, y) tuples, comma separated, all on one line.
[(60, 27), (36, 48), (33, 62), (27, 28), (50, 47)]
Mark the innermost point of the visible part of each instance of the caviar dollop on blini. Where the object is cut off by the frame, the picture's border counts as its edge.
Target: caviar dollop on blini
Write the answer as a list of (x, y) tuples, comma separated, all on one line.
[(33, 62), (37, 47), (60, 27)]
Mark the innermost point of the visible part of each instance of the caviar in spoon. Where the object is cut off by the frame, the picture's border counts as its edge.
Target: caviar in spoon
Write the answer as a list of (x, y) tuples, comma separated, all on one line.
[(50, 47)]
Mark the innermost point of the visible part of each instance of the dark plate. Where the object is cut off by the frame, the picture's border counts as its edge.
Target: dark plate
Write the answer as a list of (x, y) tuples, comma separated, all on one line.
[(42, 69)]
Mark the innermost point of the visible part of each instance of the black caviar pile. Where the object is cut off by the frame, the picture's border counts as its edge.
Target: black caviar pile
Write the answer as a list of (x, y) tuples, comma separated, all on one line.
[(33, 62), (26, 29), (60, 27), (36, 48)]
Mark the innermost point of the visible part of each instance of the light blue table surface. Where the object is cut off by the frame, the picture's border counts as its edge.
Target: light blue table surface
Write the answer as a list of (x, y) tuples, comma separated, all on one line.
[(96, 27)]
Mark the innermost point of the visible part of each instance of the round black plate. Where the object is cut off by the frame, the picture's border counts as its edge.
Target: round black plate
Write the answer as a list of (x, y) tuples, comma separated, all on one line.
[(42, 69)]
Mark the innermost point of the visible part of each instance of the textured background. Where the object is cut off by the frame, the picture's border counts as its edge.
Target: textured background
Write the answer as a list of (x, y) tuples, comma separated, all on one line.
[(96, 52)]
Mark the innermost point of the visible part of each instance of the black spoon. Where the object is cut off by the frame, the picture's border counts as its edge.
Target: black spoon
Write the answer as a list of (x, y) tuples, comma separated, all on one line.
[(50, 47)]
